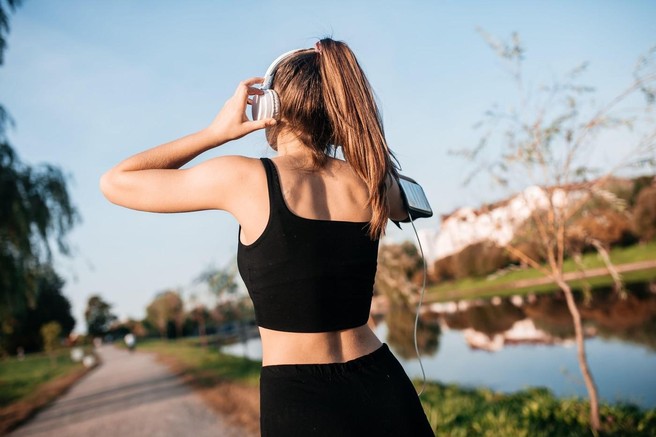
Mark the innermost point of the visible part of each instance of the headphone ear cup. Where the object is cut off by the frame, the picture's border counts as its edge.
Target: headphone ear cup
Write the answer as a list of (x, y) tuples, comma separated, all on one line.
[(265, 106), (275, 100)]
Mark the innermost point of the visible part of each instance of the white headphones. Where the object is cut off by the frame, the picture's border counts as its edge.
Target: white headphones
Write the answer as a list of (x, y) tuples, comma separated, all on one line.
[(268, 104)]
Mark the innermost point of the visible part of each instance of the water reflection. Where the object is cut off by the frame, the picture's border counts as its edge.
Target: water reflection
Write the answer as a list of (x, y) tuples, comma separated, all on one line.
[(511, 343), (400, 321)]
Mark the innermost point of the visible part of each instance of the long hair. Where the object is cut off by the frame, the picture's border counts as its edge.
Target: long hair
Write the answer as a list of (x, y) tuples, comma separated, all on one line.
[(327, 101)]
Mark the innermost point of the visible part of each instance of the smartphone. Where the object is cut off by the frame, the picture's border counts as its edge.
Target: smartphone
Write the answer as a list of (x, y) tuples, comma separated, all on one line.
[(414, 199)]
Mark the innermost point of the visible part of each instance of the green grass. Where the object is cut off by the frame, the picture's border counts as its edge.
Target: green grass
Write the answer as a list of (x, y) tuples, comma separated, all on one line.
[(483, 287), (456, 411), (207, 366), (18, 379)]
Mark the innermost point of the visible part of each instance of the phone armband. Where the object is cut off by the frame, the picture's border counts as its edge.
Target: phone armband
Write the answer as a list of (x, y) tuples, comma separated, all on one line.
[(414, 199)]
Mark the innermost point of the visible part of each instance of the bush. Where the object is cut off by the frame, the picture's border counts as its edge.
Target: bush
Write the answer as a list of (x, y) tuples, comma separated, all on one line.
[(463, 261), (607, 226), (490, 259), (532, 249), (478, 259), (50, 333), (639, 184), (535, 412), (527, 241), (443, 269), (644, 214)]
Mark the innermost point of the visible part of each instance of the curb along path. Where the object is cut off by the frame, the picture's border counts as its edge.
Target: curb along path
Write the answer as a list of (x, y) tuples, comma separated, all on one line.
[(128, 395)]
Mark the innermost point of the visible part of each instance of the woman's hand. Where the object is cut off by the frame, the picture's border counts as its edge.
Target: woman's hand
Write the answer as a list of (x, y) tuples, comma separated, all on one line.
[(231, 122)]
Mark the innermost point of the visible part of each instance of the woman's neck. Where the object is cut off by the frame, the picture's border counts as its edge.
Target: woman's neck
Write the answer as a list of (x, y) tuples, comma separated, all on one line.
[(289, 145)]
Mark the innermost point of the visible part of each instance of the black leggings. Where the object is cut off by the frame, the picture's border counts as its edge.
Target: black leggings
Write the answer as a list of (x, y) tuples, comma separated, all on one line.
[(368, 396)]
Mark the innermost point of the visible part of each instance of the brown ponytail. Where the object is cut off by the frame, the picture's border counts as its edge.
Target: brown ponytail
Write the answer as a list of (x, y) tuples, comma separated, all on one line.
[(326, 100), (357, 125)]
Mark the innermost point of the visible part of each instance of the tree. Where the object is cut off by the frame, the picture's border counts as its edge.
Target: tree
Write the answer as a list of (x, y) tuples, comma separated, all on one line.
[(4, 23), (36, 212), (222, 281), (50, 332), (120, 329), (199, 314), (99, 316), (547, 138), (232, 306), (51, 305), (167, 307)]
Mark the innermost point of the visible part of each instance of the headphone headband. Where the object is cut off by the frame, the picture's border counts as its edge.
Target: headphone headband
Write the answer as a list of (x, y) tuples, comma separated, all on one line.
[(267, 105), (271, 71)]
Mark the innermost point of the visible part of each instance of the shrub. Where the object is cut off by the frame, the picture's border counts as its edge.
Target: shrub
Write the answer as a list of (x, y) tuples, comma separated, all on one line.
[(608, 226), (490, 259), (443, 269), (531, 249), (526, 240), (639, 184), (463, 261), (644, 214), (478, 259), (50, 333)]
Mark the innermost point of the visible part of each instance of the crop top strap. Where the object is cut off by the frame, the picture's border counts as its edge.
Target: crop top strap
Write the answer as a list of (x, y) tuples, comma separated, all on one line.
[(276, 200)]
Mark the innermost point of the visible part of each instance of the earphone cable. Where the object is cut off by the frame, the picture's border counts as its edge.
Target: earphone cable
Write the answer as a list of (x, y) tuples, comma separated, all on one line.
[(421, 298)]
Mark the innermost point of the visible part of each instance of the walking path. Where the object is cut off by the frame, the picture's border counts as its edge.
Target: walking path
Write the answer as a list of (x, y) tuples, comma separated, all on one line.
[(128, 395)]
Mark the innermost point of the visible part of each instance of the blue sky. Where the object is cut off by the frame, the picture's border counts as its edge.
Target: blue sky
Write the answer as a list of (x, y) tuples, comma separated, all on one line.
[(91, 82)]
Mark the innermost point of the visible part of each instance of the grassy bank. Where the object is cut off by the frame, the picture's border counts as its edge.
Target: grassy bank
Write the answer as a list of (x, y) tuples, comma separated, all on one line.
[(505, 284), (207, 366), (30, 384), (457, 411), (230, 385)]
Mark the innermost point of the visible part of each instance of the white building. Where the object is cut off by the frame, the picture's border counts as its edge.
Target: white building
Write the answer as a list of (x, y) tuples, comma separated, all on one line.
[(467, 226)]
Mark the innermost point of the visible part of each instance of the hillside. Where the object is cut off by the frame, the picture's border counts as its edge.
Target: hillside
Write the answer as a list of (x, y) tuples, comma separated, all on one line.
[(500, 222)]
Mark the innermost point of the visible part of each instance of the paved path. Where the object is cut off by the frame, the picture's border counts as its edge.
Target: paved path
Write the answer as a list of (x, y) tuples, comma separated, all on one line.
[(128, 395)]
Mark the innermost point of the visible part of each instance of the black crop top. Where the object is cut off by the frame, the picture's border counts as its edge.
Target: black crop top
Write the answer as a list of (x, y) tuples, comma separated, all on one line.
[(308, 275)]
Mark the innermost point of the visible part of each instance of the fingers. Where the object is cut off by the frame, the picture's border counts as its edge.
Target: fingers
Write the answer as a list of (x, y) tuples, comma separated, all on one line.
[(252, 81), (245, 87), (248, 127), (261, 124), (254, 91)]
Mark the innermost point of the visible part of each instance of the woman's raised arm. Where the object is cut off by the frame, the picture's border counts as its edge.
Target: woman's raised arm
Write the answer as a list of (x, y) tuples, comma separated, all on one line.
[(152, 180)]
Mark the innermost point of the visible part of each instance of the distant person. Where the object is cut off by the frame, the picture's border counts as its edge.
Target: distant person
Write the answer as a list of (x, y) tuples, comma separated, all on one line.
[(310, 225), (130, 341)]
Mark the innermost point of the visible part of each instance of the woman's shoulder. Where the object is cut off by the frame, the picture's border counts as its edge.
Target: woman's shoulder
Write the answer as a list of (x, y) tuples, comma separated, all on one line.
[(234, 166), (237, 178), (232, 173), (238, 161)]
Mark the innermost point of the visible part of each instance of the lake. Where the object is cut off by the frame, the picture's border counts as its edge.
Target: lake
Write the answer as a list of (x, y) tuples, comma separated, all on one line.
[(511, 343)]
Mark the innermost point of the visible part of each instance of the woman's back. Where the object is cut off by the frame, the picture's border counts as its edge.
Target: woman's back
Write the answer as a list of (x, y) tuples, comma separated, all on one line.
[(332, 192), (311, 269)]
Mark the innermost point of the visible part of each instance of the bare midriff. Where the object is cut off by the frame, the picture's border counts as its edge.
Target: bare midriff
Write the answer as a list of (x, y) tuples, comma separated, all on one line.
[(280, 347)]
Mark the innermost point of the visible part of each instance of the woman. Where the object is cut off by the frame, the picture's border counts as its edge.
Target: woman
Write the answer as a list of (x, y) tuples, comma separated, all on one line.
[(309, 231)]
